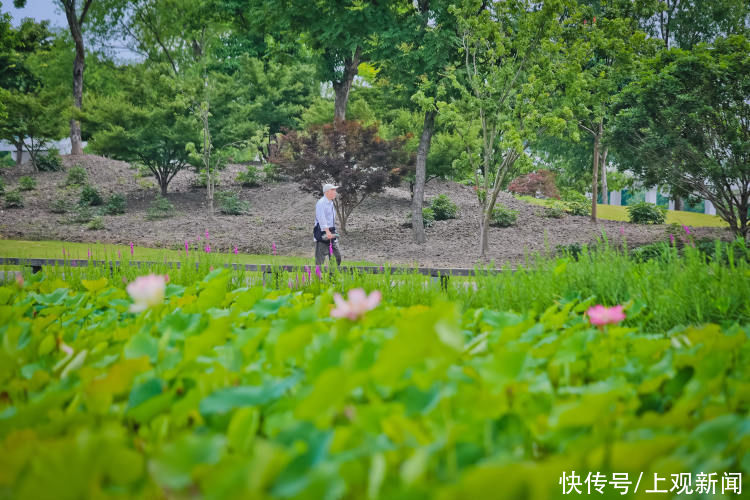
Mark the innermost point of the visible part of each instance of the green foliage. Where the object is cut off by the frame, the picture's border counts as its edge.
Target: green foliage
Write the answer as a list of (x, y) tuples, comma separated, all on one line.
[(577, 207), (569, 194), (250, 177), (503, 216), (90, 196), (653, 251), (13, 199), (2, 186), (76, 176), (555, 211), (443, 208), (82, 214), (97, 223), (26, 183), (49, 162), (428, 217), (60, 206), (230, 203), (160, 208), (221, 381), (272, 173), (116, 205), (646, 213)]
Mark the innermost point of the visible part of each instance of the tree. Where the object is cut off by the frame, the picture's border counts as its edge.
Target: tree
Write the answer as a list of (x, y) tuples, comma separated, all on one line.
[(512, 54), (339, 32), (684, 122), (150, 121), (348, 154), (76, 14), (34, 113)]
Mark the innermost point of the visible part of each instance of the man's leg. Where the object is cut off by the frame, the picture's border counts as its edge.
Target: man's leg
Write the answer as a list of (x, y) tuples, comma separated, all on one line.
[(321, 251), (336, 252)]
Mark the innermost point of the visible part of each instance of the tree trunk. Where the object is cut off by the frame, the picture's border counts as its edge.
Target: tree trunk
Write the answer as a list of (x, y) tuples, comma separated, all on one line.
[(678, 203), (605, 190), (594, 182), (484, 240), (163, 185), (19, 153), (418, 197), (75, 23), (342, 87)]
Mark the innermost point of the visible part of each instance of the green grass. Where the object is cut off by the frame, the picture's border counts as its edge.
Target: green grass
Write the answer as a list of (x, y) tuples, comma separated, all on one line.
[(620, 213), (54, 250)]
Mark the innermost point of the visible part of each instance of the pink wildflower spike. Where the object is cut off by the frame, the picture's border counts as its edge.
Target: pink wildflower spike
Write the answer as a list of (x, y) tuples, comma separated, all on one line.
[(207, 249), (119, 255), (622, 231), (671, 239), (303, 279), (131, 248), (290, 284), (357, 305), (236, 251), (687, 229), (166, 278), (273, 247), (89, 253), (317, 272), (187, 247), (600, 315), (63, 252), (206, 234), (330, 248), (307, 270)]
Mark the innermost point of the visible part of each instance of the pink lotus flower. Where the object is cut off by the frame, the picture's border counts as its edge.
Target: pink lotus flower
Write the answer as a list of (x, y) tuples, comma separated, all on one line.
[(600, 315), (146, 291), (131, 248), (357, 305)]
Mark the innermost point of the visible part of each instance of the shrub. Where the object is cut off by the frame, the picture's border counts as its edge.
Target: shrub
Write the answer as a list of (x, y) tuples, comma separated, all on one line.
[(95, 224), (503, 216), (90, 196), (60, 206), (538, 184), (200, 181), (6, 160), (250, 177), (647, 213), (573, 250), (231, 204), (76, 176), (651, 251), (571, 195), (2, 187), (13, 199), (555, 211), (82, 214), (26, 183), (578, 207), (49, 162), (115, 205), (444, 208), (160, 208), (271, 172), (428, 217)]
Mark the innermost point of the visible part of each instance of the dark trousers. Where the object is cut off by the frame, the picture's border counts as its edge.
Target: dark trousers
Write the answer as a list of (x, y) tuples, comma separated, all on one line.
[(323, 250)]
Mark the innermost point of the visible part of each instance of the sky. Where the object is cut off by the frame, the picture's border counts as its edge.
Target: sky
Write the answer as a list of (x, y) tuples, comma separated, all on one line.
[(39, 10)]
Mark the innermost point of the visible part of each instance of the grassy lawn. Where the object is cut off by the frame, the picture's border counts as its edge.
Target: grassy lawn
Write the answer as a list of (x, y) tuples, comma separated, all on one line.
[(54, 250), (620, 213)]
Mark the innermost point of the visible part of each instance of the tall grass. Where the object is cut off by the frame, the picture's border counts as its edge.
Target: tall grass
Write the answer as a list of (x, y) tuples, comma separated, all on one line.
[(677, 288)]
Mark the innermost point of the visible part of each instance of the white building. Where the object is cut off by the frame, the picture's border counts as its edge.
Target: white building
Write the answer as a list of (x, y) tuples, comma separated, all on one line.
[(63, 146)]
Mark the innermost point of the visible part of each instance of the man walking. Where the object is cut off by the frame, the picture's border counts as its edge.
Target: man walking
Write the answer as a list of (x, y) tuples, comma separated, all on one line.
[(324, 232)]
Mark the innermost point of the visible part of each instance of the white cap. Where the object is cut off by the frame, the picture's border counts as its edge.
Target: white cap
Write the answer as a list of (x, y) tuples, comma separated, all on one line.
[(328, 187)]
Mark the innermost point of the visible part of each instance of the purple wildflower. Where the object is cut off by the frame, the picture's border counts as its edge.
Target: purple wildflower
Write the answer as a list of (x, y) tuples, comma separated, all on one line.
[(317, 272), (236, 251), (186, 248), (671, 239), (273, 248), (131, 248)]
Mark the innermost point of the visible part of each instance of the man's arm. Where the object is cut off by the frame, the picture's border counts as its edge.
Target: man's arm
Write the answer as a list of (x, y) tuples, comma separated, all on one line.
[(321, 216)]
